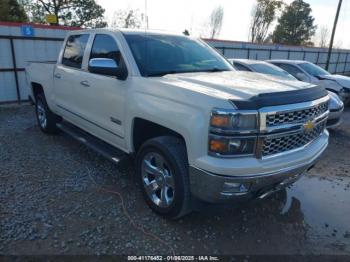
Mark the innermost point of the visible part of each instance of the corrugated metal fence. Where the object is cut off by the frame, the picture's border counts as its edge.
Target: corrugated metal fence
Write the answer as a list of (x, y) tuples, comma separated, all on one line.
[(21, 43)]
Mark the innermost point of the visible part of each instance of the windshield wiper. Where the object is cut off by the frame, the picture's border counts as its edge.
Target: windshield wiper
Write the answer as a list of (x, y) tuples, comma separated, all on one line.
[(215, 69)]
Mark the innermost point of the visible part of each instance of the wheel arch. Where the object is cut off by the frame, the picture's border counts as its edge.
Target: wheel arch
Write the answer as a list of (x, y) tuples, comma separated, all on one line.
[(36, 89), (143, 130)]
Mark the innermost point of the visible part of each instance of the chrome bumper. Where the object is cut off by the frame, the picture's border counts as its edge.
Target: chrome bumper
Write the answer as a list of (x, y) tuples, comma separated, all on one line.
[(214, 188), (210, 187)]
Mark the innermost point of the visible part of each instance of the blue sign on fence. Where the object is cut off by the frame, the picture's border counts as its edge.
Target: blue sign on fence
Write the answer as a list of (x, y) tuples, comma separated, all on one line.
[(27, 30)]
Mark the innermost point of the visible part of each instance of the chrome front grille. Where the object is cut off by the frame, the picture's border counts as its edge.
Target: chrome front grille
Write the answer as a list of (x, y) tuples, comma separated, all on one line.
[(296, 116), (290, 127), (286, 142)]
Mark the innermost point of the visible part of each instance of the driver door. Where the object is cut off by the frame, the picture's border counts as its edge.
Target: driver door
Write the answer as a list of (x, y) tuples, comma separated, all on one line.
[(102, 98)]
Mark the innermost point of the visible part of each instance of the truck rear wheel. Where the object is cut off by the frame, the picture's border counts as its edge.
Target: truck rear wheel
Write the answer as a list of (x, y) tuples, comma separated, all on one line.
[(162, 168), (47, 120)]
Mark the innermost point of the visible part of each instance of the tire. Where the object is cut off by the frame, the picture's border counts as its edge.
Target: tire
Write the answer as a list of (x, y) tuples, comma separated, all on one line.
[(47, 120), (162, 168)]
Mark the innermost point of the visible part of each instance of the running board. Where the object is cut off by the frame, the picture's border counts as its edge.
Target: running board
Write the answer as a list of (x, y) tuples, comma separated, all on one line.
[(111, 153)]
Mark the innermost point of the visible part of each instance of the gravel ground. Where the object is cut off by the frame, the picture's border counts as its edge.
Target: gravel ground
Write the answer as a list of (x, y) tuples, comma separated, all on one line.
[(58, 197)]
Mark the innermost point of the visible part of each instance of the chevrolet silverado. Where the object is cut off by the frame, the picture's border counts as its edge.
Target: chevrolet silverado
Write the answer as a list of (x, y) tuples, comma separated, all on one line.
[(196, 128)]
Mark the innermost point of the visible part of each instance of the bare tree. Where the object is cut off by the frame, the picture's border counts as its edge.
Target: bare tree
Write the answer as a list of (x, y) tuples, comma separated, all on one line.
[(263, 14), (215, 24), (323, 37), (127, 18)]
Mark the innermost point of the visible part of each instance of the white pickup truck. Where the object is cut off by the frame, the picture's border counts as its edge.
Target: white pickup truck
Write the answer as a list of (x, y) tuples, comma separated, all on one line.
[(196, 128)]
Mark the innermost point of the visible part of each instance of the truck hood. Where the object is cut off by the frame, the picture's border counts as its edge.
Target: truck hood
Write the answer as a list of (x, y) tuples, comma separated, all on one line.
[(344, 81), (235, 85)]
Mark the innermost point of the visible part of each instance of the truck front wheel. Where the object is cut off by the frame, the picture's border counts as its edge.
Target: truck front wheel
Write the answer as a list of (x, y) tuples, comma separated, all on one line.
[(162, 167), (47, 120)]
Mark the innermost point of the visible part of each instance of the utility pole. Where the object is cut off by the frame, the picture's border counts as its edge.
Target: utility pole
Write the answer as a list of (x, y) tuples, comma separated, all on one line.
[(333, 33)]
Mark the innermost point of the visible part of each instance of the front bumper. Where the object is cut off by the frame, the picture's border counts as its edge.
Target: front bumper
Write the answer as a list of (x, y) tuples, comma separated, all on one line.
[(210, 187), (334, 118)]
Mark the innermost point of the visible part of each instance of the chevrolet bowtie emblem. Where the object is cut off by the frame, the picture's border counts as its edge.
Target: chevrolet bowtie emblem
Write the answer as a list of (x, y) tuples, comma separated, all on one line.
[(308, 126)]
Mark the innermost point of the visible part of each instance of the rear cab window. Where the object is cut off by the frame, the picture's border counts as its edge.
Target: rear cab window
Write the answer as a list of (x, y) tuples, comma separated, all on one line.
[(74, 50)]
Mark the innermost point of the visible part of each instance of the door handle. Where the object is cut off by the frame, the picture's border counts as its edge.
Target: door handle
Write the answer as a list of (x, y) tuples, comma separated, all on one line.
[(84, 83), (57, 76)]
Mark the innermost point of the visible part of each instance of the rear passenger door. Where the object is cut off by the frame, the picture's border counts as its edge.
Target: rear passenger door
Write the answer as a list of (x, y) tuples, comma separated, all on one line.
[(101, 98), (67, 76)]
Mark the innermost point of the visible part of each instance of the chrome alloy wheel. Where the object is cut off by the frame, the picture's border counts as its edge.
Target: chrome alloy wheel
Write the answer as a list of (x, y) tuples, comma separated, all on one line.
[(158, 179), (41, 114)]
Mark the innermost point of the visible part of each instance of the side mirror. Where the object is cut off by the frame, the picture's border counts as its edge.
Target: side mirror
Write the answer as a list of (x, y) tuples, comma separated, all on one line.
[(106, 66), (302, 77)]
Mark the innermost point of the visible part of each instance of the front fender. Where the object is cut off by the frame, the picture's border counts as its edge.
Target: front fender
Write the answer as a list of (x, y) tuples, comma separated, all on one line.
[(189, 121)]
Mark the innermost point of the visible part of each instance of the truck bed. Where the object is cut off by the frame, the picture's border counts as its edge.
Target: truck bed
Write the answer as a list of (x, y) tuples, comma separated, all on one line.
[(41, 73)]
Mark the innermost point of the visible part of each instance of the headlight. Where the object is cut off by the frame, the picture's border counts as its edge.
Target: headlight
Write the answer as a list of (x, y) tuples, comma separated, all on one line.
[(232, 132), (234, 120)]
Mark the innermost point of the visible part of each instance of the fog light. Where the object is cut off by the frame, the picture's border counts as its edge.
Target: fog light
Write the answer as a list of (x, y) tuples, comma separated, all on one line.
[(230, 146), (219, 146), (229, 187)]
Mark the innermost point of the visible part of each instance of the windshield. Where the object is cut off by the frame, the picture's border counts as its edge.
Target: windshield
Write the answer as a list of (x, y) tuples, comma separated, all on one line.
[(157, 55), (271, 70), (313, 70)]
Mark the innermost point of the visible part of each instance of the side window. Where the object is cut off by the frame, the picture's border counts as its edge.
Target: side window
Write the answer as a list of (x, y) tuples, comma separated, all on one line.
[(293, 70), (104, 46), (241, 67), (74, 50)]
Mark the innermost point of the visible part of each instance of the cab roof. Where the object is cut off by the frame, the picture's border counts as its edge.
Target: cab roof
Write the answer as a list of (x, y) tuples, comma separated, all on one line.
[(128, 31)]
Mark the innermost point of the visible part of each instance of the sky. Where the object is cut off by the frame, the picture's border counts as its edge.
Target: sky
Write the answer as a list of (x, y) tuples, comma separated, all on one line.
[(178, 15)]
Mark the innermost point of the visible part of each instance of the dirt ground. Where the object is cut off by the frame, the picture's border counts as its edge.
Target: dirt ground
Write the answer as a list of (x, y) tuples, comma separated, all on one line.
[(58, 197)]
